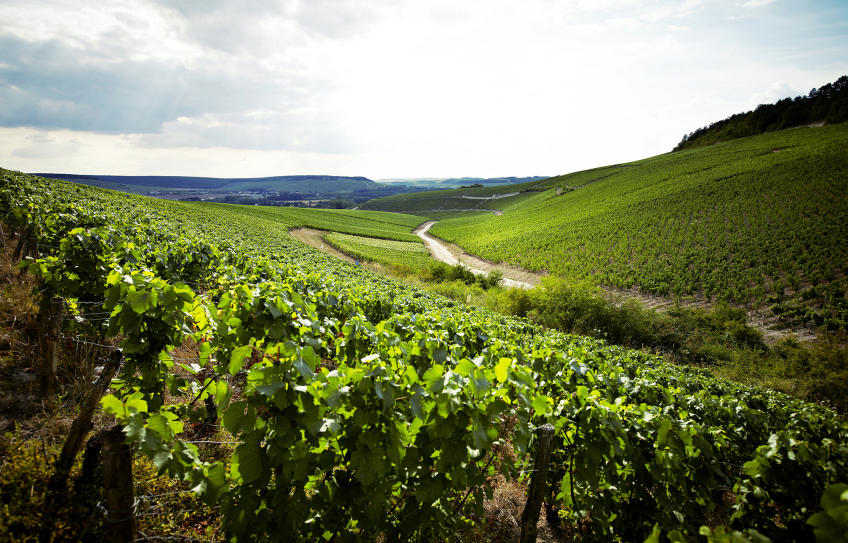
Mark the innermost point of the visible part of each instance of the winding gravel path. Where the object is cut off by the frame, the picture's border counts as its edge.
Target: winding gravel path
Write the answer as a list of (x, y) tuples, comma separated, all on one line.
[(507, 195), (440, 252)]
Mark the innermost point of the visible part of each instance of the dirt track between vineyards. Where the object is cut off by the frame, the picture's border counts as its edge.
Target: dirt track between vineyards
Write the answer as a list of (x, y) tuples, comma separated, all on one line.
[(515, 276), (452, 254), (315, 238)]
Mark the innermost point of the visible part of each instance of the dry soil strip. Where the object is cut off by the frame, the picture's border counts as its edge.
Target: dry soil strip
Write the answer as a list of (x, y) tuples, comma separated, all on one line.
[(314, 238)]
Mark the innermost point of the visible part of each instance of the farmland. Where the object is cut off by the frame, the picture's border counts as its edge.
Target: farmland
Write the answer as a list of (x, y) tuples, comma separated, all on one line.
[(403, 253), (759, 222), (351, 406)]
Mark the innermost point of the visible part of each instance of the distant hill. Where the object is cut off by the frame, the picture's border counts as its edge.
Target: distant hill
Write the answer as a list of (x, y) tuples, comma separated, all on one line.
[(291, 183), (825, 105), (437, 183), (758, 222)]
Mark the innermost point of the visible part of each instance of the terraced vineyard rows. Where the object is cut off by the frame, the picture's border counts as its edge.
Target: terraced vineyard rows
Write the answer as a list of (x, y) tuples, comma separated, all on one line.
[(364, 408), (370, 224), (402, 253), (752, 221)]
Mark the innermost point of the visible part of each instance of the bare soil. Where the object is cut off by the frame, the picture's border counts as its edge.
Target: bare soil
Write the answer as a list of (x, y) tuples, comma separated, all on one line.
[(451, 254), (315, 238)]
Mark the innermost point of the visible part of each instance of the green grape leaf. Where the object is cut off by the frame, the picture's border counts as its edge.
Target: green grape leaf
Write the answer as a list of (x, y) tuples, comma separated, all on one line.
[(252, 459), (237, 358)]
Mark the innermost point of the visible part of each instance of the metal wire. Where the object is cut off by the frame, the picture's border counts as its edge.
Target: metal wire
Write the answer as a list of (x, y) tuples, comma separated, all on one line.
[(131, 510), (74, 339)]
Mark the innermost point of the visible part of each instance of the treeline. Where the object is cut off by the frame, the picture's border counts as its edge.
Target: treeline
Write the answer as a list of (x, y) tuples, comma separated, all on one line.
[(275, 201), (828, 104), (158, 182)]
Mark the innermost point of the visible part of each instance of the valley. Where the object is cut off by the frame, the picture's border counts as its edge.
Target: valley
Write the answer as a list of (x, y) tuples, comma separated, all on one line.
[(279, 386)]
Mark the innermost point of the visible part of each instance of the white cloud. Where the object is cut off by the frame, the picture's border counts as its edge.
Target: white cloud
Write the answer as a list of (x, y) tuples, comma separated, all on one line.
[(758, 3), (777, 91), (383, 88), (44, 145)]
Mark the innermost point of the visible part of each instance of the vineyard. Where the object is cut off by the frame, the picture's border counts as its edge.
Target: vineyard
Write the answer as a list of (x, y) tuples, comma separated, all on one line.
[(359, 407), (371, 224), (402, 253), (760, 222)]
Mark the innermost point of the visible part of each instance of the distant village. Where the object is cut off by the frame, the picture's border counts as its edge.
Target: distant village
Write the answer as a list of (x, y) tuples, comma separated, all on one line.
[(263, 197)]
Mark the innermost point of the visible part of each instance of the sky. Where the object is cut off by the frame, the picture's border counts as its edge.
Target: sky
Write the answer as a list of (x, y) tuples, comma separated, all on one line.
[(391, 89)]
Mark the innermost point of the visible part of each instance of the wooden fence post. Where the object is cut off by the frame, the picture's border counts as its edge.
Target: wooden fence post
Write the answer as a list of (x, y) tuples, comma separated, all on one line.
[(90, 460), (120, 507), (536, 493), (27, 237), (21, 241), (82, 424), (52, 328), (2, 236)]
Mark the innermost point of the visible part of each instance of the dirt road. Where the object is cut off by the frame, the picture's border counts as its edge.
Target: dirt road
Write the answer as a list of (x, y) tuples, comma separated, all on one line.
[(315, 239), (451, 254), (496, 197)]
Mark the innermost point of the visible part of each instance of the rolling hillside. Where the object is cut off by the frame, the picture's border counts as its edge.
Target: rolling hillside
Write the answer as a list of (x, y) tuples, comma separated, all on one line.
[(290, 183), (335, 388), (756, 221)]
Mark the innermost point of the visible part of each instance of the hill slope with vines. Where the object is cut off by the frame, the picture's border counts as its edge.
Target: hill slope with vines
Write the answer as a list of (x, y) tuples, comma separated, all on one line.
[(357, 407), (759, 221)]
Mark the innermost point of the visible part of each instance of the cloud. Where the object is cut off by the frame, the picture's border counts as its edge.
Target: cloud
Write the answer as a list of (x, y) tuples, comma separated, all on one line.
[(42, 137), (135, 67), (46, 146), (259, 130), (758, 3), (385, 87), (775, 92)]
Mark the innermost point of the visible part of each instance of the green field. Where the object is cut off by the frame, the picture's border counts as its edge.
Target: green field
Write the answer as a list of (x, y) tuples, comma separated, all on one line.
[(402, 253), (351, 404), (370, 224), (754, 221)]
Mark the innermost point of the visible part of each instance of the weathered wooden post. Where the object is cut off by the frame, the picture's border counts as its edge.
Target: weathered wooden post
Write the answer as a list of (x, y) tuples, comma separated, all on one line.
[(90, 460), (2, 236), (82, 424), (120, 507), (21, 241), (26, 247), (52, 329), (536, 493)]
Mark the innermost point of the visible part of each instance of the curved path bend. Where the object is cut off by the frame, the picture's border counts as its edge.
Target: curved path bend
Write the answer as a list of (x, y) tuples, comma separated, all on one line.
[(496, 197), (452, 255)]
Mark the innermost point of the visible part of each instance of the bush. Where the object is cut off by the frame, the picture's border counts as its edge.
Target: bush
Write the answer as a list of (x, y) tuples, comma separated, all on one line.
[(440, 272)]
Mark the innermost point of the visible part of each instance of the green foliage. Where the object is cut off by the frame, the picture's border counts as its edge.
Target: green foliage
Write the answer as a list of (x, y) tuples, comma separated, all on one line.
[(403, 253), (831, 525), (372, 224), (365, 408), (441, 272), (719, 535), (736, 222), (827, 104), (28, 513)]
